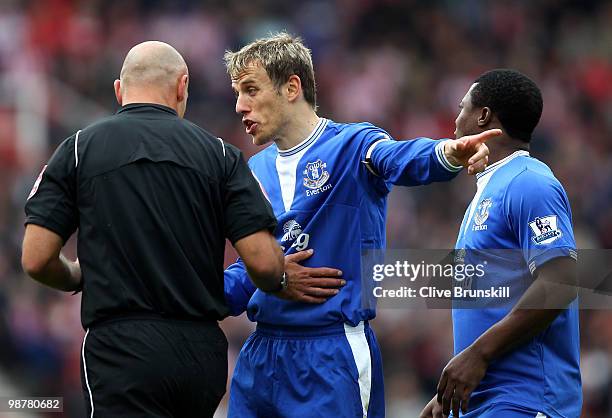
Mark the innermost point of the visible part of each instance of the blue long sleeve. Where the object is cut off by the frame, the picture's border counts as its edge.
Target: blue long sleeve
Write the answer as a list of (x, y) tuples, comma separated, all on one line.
[(238, 288), (411, 163)]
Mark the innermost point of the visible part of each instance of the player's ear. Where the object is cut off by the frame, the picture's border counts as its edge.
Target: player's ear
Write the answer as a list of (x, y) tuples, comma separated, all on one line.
[(293, 87), (117, 86), (485, 117)]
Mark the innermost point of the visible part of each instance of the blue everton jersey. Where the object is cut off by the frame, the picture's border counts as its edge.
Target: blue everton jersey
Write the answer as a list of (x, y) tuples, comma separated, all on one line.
[(329, 194), (519, 205)]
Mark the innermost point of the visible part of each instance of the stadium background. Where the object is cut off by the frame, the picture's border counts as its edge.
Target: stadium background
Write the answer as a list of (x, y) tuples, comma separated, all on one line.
[(402, 65)]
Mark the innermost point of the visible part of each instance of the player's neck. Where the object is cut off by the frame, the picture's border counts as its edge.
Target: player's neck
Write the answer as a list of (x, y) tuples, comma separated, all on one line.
[(504, 146), (298, 129)]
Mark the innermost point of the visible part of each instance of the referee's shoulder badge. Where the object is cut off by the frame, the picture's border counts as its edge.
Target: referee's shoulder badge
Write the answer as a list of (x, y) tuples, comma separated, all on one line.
[(37, 182), (545, 229)]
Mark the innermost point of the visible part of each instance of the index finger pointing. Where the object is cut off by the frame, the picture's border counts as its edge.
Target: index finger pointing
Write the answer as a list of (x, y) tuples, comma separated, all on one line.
[(482, 137)]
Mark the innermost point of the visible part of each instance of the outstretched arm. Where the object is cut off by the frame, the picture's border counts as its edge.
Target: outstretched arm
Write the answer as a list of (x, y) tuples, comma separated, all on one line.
[(422, 161)]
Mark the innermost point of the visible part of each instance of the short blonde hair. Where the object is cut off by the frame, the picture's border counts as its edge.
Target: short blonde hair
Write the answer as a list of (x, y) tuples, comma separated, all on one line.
[(282, 56)]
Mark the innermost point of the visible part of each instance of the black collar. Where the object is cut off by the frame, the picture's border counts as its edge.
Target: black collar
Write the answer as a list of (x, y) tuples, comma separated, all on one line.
[(146, 107)]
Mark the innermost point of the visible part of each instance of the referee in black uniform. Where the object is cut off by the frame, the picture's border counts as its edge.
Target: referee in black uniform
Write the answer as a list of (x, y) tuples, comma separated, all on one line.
[(153, 197)]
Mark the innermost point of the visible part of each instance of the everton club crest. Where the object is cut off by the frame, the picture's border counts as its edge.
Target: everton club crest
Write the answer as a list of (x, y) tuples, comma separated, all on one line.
[(315, 174), (481, 215)]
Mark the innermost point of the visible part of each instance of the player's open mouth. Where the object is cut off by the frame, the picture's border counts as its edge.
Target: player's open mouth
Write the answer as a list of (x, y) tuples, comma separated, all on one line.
[(250, 126)]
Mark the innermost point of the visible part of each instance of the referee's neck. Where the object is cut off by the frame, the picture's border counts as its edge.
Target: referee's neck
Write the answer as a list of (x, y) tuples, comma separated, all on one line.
[(150, 100)]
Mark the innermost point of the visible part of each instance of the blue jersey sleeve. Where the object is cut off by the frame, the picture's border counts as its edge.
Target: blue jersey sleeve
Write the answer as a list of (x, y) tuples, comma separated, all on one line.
[(237, 287), (540, 216), (406, 163)]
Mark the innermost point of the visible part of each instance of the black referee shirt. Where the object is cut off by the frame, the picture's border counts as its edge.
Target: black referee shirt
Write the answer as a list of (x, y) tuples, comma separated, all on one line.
[(153, 197)]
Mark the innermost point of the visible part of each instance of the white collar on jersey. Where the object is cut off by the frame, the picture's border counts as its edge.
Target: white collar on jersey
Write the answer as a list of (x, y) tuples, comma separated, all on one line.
[(490, 169), (314, 135)]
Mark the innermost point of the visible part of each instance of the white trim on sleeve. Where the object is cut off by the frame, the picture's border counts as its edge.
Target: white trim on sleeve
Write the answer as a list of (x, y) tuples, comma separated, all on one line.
[(368, 157), (443, 160)]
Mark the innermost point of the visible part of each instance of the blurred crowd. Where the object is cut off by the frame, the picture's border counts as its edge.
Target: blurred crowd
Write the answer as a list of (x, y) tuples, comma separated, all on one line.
[(401, 64)]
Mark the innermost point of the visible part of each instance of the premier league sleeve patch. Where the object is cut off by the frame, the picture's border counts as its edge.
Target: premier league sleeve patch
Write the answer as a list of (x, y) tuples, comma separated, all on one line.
[(545, 229)]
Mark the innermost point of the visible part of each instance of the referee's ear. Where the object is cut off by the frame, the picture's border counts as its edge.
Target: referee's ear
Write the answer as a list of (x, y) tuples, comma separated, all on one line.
[(181, 94), (183, 86), (117, 85)]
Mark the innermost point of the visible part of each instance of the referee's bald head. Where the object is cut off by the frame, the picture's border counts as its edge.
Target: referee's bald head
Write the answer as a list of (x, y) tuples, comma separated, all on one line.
[(152, 63), (153, 71)]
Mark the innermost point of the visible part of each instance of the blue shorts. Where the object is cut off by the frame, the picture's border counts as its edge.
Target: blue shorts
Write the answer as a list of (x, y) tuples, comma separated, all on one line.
[(295, 372), (503, 410)]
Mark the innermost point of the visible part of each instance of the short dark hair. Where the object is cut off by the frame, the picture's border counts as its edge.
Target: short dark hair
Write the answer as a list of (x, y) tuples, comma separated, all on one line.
[(513, 97)]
